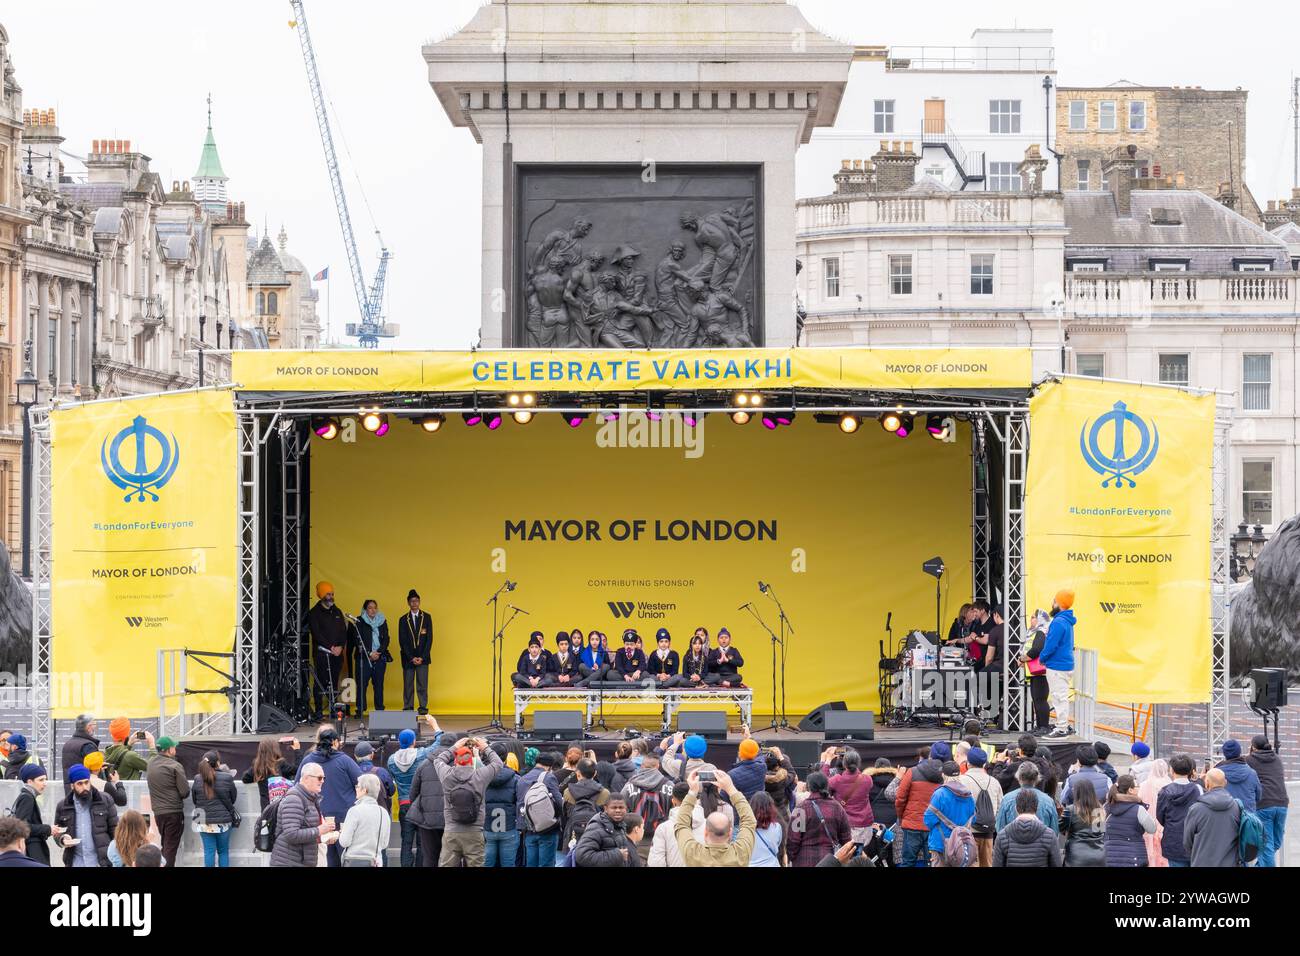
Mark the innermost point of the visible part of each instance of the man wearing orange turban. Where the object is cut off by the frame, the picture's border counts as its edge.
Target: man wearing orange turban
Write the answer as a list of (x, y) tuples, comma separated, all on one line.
[(329, 637), (1058, 657)]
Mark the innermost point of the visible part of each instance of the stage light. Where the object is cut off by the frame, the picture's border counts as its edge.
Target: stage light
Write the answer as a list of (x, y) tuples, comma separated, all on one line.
[(382, 430), (492, 420), (739, 417), (432, 422), (938, 426), (740, 399), (521, 399), (691, 419), (849, 423), (574, 419), (891, 421), (326, 429), (905, 425), (522, 417), (769, 421), (471, 418), (784, 418), (371, 419), (774, 420), (746, 399)]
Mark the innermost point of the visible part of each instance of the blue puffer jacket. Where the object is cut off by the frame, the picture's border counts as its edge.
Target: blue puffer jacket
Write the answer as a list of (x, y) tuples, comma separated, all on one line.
[(1058, 647), (403, 764), (499, 802), (749, 776), (1243, 782), (954, 801)]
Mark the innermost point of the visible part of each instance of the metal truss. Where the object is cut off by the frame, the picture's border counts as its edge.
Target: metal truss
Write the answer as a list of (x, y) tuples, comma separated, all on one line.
[(980, 528), (1014, 436), (1220, 674), (244, 714), (292, 446), (41, 518)]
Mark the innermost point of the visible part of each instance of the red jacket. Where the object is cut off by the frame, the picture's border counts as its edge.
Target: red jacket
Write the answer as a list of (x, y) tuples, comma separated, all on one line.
[(915, 788)]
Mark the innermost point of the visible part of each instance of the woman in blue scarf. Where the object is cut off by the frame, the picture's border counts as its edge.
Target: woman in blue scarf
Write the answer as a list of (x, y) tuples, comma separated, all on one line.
[(372, 638)]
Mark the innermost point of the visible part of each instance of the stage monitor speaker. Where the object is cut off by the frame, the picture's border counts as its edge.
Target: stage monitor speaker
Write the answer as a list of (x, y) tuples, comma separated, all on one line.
[(1270, 687), (390, 723), (709, 724), (804, 753), (816, 719), (272, 720), (558, 725), (846, 724)]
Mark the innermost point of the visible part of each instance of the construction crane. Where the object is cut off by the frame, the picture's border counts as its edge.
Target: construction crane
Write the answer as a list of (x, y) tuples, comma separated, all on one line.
[(371, 328)]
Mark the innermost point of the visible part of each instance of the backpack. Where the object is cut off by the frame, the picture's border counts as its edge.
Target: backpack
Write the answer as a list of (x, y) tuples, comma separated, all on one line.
[(583, 810), (984, 823), (265, 832), (1250, 835), (539, 808), (649, 805), (463, 801), (959, 846)]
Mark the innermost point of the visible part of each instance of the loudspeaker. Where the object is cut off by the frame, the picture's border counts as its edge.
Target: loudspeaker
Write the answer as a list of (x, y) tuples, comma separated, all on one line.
[(272, 720), (557, 725), (390, 723), (816, 719), (709, 724), (1270, 687), (804, 753), (849, 724)]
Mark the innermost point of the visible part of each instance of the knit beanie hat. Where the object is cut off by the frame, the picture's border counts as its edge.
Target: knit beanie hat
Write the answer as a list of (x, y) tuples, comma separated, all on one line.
[(77, 772), (31, 771), (1232, 749), (19, 742), (119, 728), (1140, 750), (976, 757), (405, 738), (940, 751), (748, 749), (93, 761), (695, 746)]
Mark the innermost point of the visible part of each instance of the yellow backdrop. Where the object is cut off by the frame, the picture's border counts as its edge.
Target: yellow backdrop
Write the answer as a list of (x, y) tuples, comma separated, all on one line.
[(1124, 519), (859, 513), (144, 539)]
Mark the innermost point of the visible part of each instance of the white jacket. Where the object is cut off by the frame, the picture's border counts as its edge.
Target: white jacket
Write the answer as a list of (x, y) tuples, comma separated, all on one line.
[(366, 831)]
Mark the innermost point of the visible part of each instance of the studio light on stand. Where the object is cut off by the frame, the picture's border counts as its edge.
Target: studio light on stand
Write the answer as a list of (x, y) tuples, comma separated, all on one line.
[(935, 568)]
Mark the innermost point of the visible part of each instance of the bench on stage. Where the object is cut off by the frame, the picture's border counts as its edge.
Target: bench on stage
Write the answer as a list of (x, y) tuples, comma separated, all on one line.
[(670, 701)]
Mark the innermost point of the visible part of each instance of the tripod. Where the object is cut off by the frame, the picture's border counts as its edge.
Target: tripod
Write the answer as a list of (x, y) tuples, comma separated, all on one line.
[(498, 664)]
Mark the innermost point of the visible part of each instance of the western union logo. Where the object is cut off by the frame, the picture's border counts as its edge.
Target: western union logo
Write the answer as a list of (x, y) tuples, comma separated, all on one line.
[(137, 622), (1108, 607), (621, 608), (1112, 607), (134, 621)]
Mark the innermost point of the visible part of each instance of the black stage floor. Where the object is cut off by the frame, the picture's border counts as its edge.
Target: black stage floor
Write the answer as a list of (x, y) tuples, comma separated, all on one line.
[(900, 745)]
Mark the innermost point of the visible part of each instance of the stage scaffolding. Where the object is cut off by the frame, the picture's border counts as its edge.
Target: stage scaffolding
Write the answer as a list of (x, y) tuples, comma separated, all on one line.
[(264, 418)]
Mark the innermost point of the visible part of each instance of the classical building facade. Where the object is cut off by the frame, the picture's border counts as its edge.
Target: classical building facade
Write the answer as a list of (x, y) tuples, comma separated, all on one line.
[(13, 220), (1195, 138), (969, 111)]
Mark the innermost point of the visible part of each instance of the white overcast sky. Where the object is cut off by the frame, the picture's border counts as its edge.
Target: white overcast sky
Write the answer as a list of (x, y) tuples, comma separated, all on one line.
[(140, 70)]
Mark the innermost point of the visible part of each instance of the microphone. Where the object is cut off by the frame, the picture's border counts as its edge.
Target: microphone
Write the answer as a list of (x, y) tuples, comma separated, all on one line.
[(762, 587), (518, 609), (511, 585), (888, 617), (745, 605)]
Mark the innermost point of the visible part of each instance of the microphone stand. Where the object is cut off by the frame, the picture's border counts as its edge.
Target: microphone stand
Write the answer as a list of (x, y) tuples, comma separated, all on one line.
[(786, 629), (773, 724), (497, 662)]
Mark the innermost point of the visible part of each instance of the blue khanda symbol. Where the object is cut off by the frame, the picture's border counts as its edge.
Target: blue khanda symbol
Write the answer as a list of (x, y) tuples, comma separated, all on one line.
[(140, 479), (1119, 466)]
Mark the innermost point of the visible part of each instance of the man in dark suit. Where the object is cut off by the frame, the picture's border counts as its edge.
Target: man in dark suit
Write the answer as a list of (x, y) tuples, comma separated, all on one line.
[(725, 662), (663, 662), (415, 641), (329, 637)]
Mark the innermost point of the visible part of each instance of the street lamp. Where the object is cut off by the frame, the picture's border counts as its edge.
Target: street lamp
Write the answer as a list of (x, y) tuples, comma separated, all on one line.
[(28, 392), (1246, 545), (203, 320)]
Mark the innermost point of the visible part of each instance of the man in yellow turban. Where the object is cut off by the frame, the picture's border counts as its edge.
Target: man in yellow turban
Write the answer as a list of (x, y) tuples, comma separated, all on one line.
[(329, 638)]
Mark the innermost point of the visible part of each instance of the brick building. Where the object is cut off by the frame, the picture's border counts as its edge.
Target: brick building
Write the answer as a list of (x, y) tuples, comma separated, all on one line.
[(1178, 130)]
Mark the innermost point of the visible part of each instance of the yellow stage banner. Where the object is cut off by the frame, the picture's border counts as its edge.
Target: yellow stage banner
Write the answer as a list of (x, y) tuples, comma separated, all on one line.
[(590, 370), (1118, 503), (642, 523), (144, 548)]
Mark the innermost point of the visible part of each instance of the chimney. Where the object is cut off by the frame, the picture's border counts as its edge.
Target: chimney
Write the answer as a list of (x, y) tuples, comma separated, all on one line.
[(895, 168), (1275, 215), (1117, 170), (853, 177), (1227, 196), (1292, 206)]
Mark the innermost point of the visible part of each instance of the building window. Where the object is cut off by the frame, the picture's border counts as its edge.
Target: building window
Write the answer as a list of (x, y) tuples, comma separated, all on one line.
[(981, 274), (1257, 492), (1158, 266), (1084, 166), (1078, 115), (900, 275), (1090, 363), (1173, 369), (1004, 177), (831, 272), (1137, 115), (1087, 266), (261, 303), (1004, 116), (1254, 267), (884, 116), (1256, 377), (1106, 115), (272, 304)]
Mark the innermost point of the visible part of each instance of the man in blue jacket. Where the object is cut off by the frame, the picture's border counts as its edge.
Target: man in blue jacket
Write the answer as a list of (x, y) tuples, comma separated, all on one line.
[(402, 765), (1088, 775), (1058, 658), (341, 776), (1243, 781), (951, 806)]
